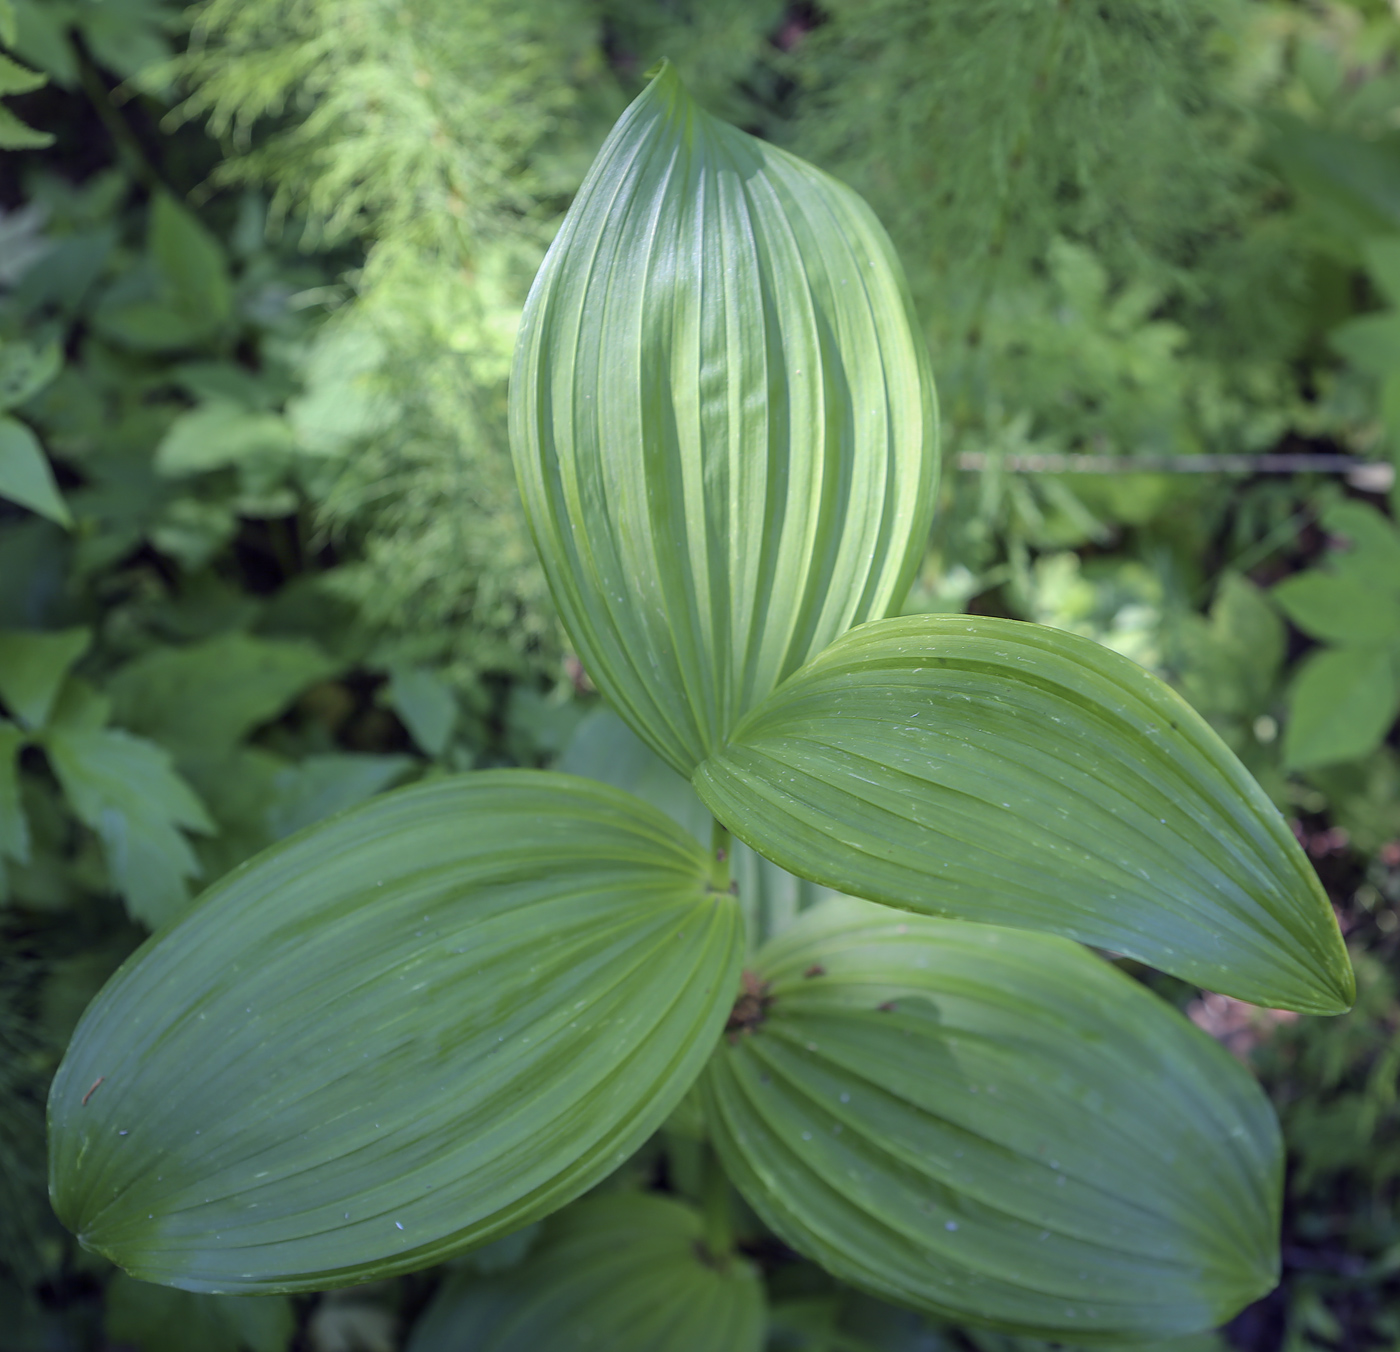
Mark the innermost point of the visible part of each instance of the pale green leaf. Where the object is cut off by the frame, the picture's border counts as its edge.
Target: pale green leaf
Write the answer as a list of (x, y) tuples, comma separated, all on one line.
[(1371, 342), (33, 667), (626, 1273), (218, 434), (423, 1024), (25, 475), (722, 420), (8, 27), (17, 79), (1382, 257), (159, 1319), (425, 705), (1341, 706), (998, 1127), (999, 771), (209, 695), (1340, 607), (125, 789), (17, 135), (14, 828), (1365, 541)]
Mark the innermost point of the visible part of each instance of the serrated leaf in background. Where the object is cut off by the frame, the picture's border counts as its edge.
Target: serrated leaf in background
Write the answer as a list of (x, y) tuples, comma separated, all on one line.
[(722, 420), (1342, 703), (33, 667), (1004, 772), (626, 1273), (41, 38), (207, 696), (999, 1127), (25, 474), (1231, 660), (428, 1022), (160, 1319), (126, 790)]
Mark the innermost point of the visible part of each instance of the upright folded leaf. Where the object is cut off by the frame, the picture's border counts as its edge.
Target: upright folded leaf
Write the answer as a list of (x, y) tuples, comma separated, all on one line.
[(1003, 772), (997, 1126), (421, 1024), (722, 420)]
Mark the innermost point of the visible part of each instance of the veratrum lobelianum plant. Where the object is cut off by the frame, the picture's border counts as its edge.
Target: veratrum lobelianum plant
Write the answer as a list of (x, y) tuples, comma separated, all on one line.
[(450, 1011)]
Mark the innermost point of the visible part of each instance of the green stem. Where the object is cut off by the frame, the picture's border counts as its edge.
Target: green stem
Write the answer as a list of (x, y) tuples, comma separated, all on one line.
[(128, 148), (715, 1209), (720, 848)]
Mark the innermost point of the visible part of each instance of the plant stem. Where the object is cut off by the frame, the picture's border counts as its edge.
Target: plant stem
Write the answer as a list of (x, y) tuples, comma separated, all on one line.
[(720, 848), (715, 1208)]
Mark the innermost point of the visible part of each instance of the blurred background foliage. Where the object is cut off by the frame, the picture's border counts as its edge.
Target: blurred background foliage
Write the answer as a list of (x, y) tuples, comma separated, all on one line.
[(261, 556)]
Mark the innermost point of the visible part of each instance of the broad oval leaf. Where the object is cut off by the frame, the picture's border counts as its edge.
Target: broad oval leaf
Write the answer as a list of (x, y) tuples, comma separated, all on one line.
[(722, 420), (622, 1273), (1000, 771), (416, 1026), (999, 1127)]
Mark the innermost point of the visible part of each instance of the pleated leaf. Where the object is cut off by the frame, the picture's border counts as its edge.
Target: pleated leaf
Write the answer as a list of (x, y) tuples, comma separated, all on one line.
[(722, 420), (999, 1127), (1004, 772), (428, 1021), (623, 1273)]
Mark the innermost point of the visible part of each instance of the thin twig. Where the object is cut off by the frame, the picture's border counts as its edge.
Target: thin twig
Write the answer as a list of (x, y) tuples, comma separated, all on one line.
[(1373, 476)]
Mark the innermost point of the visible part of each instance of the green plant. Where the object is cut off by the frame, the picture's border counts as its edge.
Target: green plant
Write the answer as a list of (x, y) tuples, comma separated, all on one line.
[(1346, 695), (448, 1012)]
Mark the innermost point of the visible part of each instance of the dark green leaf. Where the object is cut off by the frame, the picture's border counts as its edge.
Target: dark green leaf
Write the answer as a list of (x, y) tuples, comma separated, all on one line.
[(1004, 772), (191, 261), (1341, 706), (999, 1127), (722, 420), (42, 40), (209, 695), (159, 1319), (426, 706), (25, 475), (25, 370), (124, 788), (319, 786), (624, 1273), (33, 667), (404, 1032), (14, 828)]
